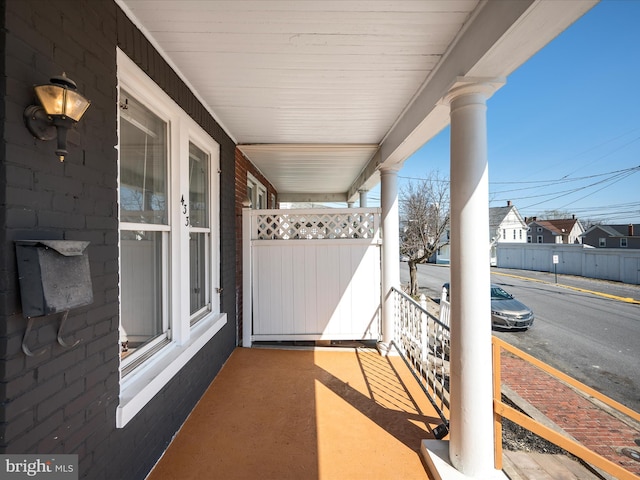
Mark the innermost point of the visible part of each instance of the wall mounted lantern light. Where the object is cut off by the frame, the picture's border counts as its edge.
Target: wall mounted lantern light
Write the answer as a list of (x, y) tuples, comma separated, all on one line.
[(61, 107)]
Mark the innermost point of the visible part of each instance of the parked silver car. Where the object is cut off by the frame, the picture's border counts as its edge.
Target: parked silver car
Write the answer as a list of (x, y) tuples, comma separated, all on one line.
[(506, 311)]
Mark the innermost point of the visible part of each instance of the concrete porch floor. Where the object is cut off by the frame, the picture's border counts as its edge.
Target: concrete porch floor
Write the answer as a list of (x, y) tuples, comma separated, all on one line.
[(335, 413)]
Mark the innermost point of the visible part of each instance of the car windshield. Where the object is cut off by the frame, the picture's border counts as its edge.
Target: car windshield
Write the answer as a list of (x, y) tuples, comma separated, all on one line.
[(499, 294)]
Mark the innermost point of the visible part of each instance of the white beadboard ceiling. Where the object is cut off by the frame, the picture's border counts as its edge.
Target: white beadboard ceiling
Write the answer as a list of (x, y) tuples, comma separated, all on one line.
[(319, 94)]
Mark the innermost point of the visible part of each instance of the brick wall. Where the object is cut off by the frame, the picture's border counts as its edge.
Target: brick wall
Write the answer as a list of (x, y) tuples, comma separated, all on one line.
[(64, 401), (242, 167)]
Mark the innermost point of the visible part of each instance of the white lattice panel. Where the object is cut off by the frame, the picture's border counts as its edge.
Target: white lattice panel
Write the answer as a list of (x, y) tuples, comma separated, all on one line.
[(306, 225)]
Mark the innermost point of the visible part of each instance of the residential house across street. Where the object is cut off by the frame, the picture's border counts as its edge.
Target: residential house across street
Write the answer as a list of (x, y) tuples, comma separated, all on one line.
[(563, 230), (506, 225), (613, 236)]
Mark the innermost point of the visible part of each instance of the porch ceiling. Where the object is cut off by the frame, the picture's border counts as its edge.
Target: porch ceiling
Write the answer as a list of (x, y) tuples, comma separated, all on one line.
[(320, 94)]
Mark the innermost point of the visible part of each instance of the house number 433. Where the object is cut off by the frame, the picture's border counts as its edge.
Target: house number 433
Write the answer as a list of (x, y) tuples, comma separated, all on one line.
[(185, 211)]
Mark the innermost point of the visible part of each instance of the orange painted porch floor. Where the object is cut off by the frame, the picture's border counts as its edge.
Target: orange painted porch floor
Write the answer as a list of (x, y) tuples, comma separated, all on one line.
[(335, 413)]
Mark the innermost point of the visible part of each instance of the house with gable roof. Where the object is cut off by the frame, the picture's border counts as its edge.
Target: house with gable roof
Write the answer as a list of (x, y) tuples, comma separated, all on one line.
[(613, 236), (563, 230), (506, 225)]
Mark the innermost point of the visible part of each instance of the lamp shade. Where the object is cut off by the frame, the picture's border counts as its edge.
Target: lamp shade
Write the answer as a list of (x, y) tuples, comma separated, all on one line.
[(61, 108), (58, 100)]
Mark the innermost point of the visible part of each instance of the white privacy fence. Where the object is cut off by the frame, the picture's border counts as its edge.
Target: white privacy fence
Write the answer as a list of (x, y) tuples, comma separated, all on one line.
[(617, 264), (311, 274)]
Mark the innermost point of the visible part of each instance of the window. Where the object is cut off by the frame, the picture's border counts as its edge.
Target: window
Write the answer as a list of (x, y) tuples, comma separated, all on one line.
[(256, 193), (602, 242), (539, 229), (623, 243), (504, 233), (169, 245), (539, 238), (514, 233), (199, 233), (144, 228), (529, 239), (520, 234)]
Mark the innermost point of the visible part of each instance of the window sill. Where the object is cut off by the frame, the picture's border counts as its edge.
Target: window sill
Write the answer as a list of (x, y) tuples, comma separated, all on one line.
[(142, 385)]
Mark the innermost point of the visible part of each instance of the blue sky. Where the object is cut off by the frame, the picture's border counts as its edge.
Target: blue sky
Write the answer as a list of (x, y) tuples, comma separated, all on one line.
[(564, 132)]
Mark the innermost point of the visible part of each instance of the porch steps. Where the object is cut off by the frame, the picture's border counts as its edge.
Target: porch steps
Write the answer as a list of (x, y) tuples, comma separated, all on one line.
[(544, 466)]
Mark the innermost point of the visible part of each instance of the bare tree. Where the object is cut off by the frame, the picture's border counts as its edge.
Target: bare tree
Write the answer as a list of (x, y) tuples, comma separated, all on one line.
[(424, 222), (587, 223), (554, 215)]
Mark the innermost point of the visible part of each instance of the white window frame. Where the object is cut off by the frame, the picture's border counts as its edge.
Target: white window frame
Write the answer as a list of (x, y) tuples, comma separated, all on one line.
[(165, 229), (540, 239), (259, 192), (146, 380), (202, 141), (623, 242), (602, 242)]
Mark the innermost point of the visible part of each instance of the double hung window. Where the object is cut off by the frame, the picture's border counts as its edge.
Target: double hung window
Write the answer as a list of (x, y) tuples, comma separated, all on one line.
[(144, 229), (169, 242), (199, 233)]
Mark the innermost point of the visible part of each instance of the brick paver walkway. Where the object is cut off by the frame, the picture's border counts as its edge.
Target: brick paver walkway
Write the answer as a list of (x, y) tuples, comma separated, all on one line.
[(581, 418)]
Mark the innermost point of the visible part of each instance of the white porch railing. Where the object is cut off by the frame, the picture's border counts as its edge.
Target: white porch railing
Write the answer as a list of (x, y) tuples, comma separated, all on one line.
[(424, 343)]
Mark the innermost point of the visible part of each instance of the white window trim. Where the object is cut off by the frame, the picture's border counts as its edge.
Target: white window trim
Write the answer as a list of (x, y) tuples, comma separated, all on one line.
[(259, 189), (201, 140), (141, 385)]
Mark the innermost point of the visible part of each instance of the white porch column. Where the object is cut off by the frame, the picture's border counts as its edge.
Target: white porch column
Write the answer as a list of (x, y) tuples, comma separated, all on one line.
[(390, 248), (471, 446), (363, 198)]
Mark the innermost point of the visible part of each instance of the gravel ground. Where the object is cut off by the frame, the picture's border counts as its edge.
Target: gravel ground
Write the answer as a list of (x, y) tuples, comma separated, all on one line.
[(515, 438)]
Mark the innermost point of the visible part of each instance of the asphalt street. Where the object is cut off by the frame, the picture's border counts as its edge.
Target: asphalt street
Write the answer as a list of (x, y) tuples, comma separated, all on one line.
[(586, 328)]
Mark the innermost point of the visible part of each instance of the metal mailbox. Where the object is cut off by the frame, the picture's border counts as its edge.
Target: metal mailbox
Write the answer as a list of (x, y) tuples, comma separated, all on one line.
[(54, 276)]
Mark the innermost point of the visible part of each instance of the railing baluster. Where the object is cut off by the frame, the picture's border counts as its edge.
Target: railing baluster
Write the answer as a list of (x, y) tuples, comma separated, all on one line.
[(423, 342)]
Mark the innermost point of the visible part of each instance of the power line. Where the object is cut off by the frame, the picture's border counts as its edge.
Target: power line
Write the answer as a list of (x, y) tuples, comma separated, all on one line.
[(537, 182), (548, 183), (617, 178)]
